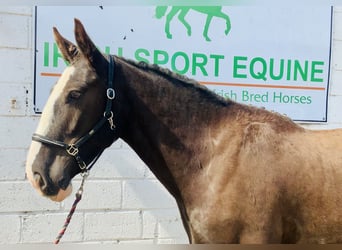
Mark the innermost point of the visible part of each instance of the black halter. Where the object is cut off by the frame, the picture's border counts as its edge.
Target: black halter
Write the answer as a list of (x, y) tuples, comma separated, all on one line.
[(73, 148)]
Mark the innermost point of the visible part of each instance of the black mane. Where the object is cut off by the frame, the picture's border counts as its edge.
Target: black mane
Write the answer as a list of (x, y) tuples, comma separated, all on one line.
[(181, 80)]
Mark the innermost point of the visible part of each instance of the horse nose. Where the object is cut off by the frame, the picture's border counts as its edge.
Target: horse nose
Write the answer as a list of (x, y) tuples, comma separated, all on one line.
[(43, 184)]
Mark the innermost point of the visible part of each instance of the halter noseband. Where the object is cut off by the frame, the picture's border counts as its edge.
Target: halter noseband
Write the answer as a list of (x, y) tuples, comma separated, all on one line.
[(73, 148)]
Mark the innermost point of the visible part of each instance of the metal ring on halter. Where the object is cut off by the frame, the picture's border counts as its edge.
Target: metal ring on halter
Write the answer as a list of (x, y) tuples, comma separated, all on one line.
[(108, 115), (110, 93)]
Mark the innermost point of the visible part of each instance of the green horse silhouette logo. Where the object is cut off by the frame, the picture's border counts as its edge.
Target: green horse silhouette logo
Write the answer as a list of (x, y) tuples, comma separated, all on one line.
[(182, 11)]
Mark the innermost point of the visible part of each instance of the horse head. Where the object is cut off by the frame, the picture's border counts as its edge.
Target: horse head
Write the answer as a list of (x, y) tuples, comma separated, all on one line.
[(76, 104)]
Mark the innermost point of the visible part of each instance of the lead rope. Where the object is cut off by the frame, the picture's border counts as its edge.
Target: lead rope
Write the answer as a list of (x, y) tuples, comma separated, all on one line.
[(73, 208)]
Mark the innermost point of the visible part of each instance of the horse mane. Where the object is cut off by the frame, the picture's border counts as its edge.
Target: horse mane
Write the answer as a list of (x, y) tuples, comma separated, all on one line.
[(181, 80), (176, 79)]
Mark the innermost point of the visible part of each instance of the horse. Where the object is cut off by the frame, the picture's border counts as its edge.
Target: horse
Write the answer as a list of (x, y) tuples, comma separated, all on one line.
[(182, 11), (238, 173)]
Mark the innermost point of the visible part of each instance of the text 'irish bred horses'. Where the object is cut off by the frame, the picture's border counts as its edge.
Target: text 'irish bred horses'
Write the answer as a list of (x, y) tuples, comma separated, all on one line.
[(239, 174)]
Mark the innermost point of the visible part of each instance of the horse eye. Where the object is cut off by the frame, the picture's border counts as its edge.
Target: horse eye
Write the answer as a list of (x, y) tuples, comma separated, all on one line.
[(74, 95)]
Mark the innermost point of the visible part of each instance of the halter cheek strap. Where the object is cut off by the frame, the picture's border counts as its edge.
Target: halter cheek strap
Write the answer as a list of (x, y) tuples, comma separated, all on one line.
[(73, 148)]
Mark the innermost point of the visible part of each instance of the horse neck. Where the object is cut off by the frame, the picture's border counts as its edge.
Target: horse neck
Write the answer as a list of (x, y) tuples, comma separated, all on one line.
[(165, 119)]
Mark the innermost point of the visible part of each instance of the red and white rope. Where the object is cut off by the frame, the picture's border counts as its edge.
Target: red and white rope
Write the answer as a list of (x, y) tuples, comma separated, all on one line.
[(72, 210)]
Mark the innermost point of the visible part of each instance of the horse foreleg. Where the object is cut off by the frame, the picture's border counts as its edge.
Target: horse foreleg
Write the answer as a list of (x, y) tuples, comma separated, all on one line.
[(228, 24), (185, 220), (181, 18), (206, 28), (169, 17), (227, 19)]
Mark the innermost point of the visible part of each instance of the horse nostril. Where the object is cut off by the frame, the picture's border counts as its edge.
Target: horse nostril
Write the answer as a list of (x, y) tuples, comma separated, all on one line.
[(63, 183), (44, 185), (39, 180)]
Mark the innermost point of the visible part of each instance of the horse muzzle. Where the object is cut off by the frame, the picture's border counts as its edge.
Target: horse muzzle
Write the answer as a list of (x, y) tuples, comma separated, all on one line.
[(44, 188)]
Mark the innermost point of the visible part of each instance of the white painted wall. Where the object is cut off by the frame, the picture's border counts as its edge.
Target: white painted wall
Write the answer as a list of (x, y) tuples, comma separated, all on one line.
[(123, 202)]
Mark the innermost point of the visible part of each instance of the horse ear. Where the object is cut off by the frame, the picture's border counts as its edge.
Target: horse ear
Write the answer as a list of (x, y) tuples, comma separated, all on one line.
[(86, 46), (67, 48)]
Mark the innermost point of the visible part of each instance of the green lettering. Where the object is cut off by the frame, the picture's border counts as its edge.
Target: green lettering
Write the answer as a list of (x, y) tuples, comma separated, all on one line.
[(281, 70), (261, 74), (237, 66), (298, 69), (315, 71), (203, 60), (217, 63), (245, 96), (120, 51), (46, 54), (160, 57), (107, 50), (288, 76), (140, 53), (183, 55)]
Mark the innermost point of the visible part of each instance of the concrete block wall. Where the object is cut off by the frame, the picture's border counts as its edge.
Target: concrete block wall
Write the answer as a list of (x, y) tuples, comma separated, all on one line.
[(123, 202)]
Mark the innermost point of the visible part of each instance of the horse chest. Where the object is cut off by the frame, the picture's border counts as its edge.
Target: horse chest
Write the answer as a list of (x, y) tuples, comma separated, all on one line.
[(213, 217), (207, 226)]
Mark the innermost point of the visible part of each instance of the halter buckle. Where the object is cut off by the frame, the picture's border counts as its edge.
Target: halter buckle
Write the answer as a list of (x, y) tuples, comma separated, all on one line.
[(110, 93), (72, 150)]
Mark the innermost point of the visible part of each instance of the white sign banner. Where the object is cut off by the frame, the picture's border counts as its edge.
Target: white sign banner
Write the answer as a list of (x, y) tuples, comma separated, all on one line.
[(276, 57)]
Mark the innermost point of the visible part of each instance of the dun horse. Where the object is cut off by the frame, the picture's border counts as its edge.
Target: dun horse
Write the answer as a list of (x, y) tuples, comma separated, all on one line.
[(239, 174)]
